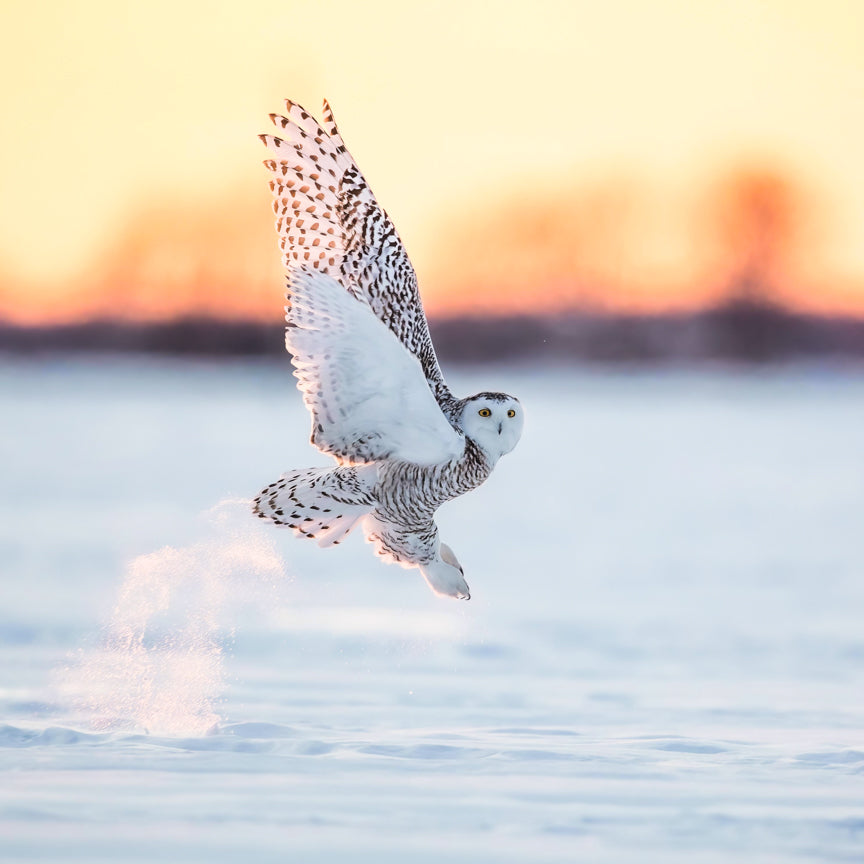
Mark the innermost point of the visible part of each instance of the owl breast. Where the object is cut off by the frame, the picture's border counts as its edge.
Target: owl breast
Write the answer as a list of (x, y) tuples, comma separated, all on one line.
[(410, 494)]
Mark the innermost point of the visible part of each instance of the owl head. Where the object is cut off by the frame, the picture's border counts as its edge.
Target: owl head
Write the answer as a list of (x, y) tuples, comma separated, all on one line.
[(494, 421)]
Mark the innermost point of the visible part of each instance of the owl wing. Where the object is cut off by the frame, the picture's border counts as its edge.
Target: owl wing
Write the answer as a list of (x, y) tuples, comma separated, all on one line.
[(367, 394), (328, 221)]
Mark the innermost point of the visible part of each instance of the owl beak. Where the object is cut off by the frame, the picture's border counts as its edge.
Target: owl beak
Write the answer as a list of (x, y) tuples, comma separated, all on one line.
[(500, 427)]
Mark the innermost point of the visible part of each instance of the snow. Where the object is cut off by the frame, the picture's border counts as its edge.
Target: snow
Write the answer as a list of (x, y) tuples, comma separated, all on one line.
[(661, 660)]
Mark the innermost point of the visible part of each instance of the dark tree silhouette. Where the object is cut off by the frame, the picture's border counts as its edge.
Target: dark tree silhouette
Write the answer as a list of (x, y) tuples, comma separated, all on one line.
[(756, 219)]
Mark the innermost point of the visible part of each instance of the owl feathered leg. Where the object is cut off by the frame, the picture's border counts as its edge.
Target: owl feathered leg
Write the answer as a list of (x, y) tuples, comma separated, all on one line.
[(324, 504), (418, 545)]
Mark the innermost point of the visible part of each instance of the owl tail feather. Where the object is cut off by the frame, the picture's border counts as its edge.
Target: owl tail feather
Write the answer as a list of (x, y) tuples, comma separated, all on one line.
[(324, 504)]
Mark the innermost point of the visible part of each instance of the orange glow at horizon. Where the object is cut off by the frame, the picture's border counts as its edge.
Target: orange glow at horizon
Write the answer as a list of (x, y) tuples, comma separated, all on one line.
[(532, 158)]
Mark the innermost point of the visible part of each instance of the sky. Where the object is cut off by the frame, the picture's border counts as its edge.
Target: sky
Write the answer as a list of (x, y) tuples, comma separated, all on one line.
[(529, 154)]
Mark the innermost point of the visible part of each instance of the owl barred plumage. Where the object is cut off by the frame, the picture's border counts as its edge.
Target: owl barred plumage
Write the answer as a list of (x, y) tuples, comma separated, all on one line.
[(329, 221), (366, 366)]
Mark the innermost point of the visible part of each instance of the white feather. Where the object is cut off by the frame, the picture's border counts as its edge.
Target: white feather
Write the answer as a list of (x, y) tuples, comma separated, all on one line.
[(368, 395), (328, 220)]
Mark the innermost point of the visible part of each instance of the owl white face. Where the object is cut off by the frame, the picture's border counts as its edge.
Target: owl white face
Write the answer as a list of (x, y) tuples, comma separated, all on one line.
[(494, 421)]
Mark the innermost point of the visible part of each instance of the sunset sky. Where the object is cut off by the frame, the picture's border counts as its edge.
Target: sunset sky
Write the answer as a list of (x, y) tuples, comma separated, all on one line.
[(514, 145)]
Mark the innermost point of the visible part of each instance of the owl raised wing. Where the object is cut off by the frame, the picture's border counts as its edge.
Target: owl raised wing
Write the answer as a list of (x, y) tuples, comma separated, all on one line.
[(367, 394), (329, 222)]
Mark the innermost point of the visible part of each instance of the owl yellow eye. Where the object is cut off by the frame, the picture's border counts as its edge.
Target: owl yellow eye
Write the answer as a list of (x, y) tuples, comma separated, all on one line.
[(485, 412), (511, 413)]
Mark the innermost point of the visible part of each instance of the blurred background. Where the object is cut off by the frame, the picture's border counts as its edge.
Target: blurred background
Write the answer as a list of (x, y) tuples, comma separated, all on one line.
[(621, 180)]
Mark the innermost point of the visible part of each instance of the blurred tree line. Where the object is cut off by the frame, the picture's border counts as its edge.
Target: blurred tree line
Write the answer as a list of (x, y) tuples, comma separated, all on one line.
[(755, 228)]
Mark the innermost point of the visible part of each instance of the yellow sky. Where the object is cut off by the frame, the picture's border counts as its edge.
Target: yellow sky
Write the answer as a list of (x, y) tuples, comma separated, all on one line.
[(448, 107)]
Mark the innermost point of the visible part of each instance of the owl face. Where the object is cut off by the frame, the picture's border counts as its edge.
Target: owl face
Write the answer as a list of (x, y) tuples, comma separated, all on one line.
[(494, 421)]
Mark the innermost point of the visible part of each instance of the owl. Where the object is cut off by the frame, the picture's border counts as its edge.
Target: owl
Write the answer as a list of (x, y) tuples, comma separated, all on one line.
[(359, 341)]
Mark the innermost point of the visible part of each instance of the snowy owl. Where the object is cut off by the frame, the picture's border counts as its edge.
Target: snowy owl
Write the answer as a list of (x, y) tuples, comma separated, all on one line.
[(367, 369)]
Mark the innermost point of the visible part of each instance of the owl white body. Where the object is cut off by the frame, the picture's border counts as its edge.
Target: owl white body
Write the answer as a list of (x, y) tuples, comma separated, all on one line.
[(365, 363)]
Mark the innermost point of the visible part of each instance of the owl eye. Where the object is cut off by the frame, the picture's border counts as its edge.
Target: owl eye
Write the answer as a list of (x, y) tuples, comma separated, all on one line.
[(511, 413), (485, 412)]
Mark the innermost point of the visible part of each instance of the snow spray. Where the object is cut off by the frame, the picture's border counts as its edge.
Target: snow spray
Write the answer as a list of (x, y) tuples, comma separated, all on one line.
[(158, 664)]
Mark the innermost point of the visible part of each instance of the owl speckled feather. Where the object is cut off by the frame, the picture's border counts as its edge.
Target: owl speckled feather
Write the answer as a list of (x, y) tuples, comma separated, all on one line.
[(367, 368), (328, 221)]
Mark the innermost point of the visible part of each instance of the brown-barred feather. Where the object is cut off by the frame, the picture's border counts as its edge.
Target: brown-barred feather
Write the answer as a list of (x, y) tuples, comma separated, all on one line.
[(329, 221)]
